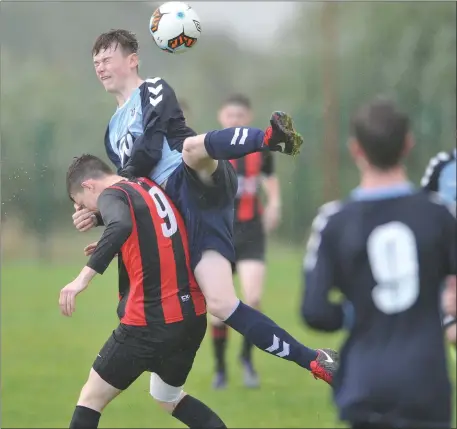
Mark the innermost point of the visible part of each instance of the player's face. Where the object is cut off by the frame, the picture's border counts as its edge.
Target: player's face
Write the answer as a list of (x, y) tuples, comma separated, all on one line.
[(88, 196), (233, 115), (113, 67)]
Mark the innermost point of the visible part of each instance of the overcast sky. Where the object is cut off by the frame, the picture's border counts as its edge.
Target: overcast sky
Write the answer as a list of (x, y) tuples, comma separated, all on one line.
[(252, 22)]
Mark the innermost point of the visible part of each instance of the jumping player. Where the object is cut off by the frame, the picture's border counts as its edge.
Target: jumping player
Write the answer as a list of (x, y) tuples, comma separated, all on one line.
[(440, 177), (148, 137), (254, 171), (388, 249), (161, 308)]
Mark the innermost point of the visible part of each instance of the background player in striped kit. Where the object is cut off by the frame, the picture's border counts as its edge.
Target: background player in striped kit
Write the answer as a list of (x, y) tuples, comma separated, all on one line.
[(161, 309), (255, 171), (440, 177)]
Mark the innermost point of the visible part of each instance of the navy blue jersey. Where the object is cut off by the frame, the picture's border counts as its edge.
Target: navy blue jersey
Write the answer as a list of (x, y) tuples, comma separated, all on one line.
[(388, 253), (145, 135), (440, 176)]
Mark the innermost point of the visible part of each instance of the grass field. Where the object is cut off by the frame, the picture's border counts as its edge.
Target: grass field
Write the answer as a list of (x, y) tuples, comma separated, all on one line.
[(46, 357)]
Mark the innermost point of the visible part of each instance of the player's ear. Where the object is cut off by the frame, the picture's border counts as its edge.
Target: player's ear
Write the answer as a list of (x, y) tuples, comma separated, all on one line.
[(88, 184), (134, 61)]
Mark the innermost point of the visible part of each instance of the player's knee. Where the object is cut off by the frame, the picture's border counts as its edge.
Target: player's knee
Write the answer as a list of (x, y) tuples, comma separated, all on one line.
[(97, 393), (93, 398), (192, 150), (165, 395), (220, 308), (215, 321)]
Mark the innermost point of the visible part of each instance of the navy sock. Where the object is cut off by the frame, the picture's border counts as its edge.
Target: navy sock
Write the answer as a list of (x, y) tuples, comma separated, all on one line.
[(233, 143), (269, 337), (84, 418)]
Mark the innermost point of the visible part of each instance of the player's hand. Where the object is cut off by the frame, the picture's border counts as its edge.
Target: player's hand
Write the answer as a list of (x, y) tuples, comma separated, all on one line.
[(68, 294), (271, 217), (89, 249), (84, 219)]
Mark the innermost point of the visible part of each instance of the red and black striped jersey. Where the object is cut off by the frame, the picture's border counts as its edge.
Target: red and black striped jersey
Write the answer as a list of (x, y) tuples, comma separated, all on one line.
[(156, 283), (250, 170)]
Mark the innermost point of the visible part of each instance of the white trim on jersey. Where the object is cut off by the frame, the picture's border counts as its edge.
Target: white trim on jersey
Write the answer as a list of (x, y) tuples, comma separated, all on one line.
[(155, 91), (320, 222), (433, 163)]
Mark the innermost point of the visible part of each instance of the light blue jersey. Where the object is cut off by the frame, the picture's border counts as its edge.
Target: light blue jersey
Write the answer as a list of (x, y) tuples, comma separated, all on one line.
[(440, 176), (144, 136)]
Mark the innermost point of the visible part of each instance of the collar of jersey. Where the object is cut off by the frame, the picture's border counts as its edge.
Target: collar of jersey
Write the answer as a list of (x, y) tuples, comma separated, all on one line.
[(399, 190), (137, 90)]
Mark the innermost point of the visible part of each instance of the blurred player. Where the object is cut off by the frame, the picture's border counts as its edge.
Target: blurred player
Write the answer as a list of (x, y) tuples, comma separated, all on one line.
[(253, 171), (161, 309), (440, 177), (148, 137), (388, 249)]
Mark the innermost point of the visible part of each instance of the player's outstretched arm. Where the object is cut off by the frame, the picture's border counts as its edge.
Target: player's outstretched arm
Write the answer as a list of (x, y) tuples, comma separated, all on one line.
[(320, 276), (114, 208), (159, 105), (70, 291)]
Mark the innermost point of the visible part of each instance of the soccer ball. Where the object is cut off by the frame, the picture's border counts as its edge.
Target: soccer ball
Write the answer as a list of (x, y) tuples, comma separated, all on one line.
[(175, 27)]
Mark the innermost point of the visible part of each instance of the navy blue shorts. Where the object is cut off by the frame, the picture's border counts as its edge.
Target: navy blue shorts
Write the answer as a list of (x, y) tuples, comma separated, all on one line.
[(208, 210)]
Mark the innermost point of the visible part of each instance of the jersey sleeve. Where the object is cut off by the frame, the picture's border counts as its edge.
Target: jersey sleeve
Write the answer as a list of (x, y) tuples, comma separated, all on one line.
[(430, 179), (320, 276), (268, 164), (159, 106), (114, 208)]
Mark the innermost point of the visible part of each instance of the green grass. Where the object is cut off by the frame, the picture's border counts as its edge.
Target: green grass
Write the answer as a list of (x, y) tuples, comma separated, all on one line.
[(46, 357)]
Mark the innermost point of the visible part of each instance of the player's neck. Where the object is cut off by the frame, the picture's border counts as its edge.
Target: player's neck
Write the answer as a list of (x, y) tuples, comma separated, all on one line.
[(373, 178), (112, 180), (128, 89)]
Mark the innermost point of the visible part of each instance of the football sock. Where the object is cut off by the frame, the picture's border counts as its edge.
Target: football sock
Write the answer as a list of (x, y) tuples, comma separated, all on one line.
[(196, 414), (246, 350), (233, 143), (84, 418), (219, 334), (268, 336)]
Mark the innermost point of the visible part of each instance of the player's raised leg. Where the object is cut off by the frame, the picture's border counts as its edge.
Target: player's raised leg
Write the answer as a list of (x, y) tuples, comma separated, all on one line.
[(235, 142), (214, 276)]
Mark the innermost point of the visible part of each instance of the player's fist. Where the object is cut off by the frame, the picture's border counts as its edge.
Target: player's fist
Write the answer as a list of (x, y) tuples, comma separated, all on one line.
[(84, 219), (89, 249)]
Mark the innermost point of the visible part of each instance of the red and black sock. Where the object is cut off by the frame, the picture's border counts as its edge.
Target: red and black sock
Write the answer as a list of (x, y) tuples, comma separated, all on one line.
[(219, 334)]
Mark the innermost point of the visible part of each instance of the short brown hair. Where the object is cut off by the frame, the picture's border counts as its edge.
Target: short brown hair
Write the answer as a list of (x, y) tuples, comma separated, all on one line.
[(381, 130), (123, 38), (237, 100), (83, 168)]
